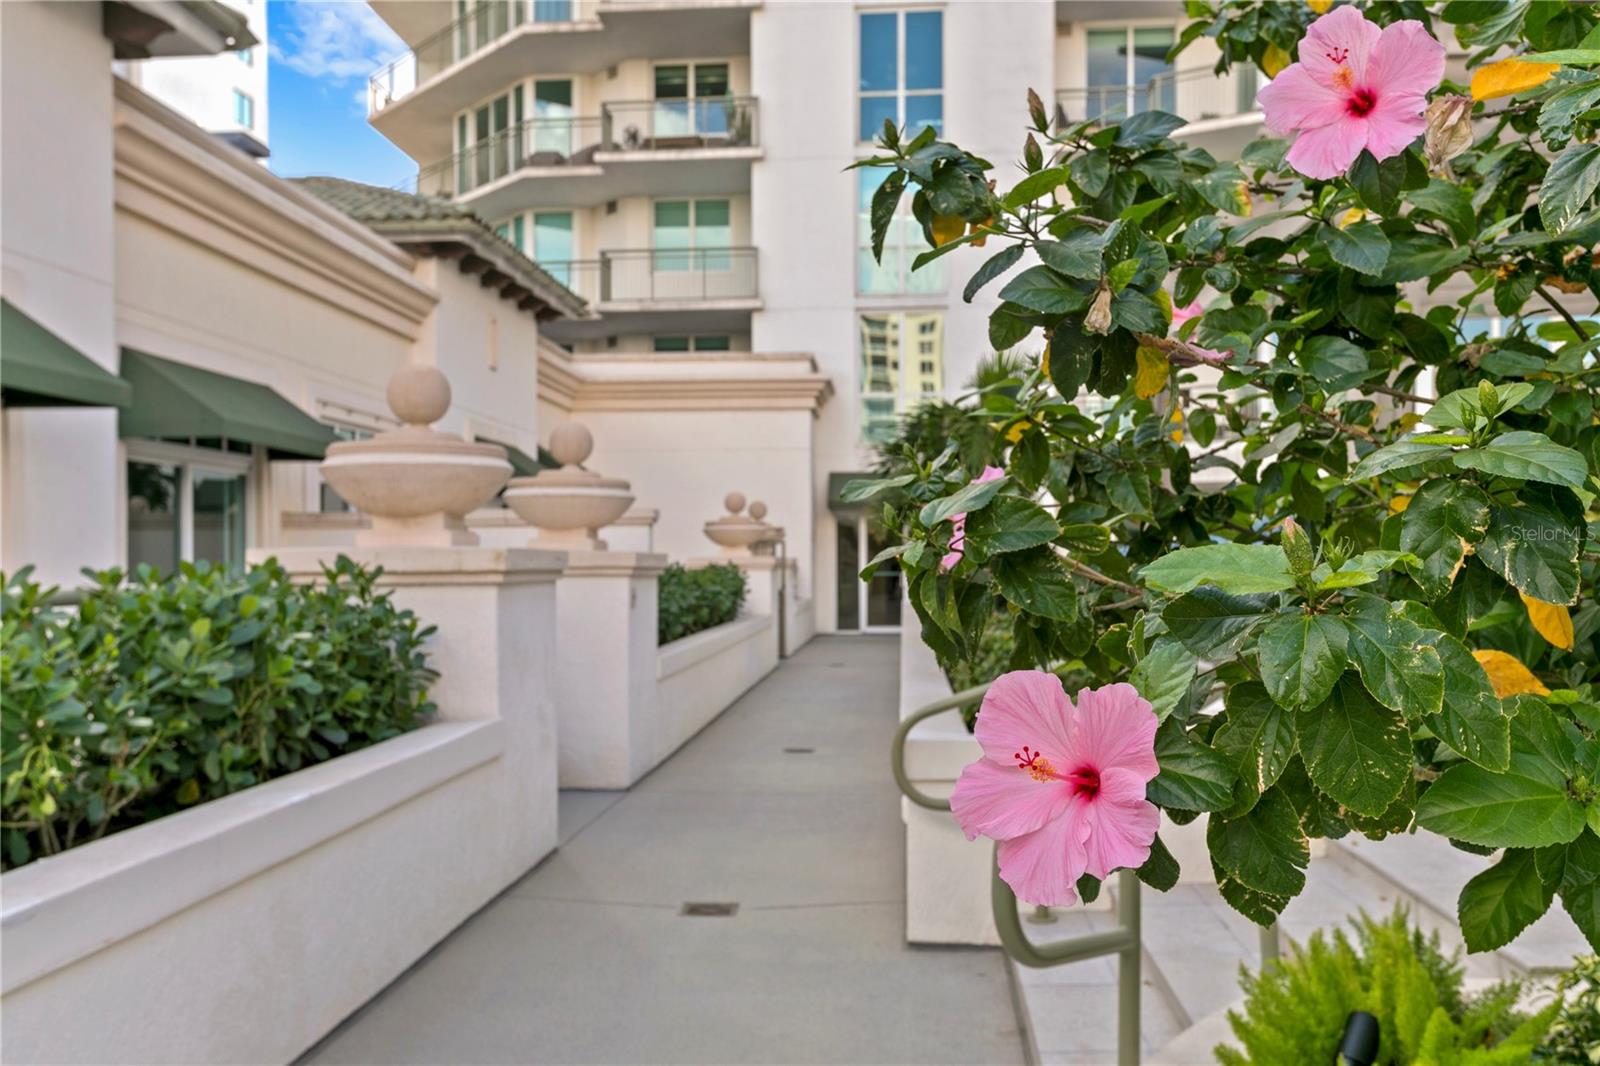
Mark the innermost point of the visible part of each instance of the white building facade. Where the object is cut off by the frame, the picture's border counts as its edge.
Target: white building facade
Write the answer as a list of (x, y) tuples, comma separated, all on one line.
[(683, 167)]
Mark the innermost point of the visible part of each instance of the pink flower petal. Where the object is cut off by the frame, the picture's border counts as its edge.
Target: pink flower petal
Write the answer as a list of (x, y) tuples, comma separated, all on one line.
[(1394, 124), (1328, 151), (1122, 824), (990, 473), (1180, 315), (951, 558), (1043, 867), (1294, 100), (1407, 60), (1115, 728), (1343, 39), (1004, 801), (1025, 707)]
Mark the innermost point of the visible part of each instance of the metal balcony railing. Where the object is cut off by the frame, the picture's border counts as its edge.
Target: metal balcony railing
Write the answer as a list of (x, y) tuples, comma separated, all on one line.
[(660, 275), (1193, 95), (714, 122), (484, 23), (645, 125), (1123, 941)]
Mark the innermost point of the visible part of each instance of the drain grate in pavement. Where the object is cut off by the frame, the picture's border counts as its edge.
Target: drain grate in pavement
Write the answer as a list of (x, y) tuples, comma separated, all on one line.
[(709, 910), (799, 751)]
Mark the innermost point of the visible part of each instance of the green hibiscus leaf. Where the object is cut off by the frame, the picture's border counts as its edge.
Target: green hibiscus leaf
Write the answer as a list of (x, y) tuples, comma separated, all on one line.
[(1527, 806), (1569, 186), (1162, 677), (1193, 777), (1444, 518), (1262, 908), (1235, 568), (1036, 581), (1472, 720), (1011, 524), (1580, 885), (1530, 456), (1259, 736), (1160, 871), (1265, 850), (1214, 624), (1361, 247), (973, 496), (1535, 544), (1334, 362), (1302, 656), (1396, 658), (1398, 456), (1041, 289), (1355, 749), (1502, 901)]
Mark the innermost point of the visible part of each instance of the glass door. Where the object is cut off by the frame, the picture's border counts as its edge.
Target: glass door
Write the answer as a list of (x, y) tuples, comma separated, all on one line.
[(880, 599), (219, 510), (1128, 71), (552, 116), (552, 244), (692, 99), (186, 504)]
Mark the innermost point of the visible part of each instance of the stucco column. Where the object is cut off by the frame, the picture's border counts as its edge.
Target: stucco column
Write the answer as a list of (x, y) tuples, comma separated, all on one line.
[(606, 710), (494, 610)]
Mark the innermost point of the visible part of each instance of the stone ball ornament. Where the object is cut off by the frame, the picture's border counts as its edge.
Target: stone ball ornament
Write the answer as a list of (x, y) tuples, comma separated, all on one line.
[(416, 484), (735, 531), (569, 506)]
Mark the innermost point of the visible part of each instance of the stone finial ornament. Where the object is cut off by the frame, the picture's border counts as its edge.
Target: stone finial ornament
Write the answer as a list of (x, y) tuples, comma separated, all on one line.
[(415, 483), (768, 544), (734, 532), (569, 505)]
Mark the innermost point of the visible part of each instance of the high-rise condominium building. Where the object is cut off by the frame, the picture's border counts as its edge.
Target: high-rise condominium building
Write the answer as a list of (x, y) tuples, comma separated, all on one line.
[(224, 94), (682, 165)]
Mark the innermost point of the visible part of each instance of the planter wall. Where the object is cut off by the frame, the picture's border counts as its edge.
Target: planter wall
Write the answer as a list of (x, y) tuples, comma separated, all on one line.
[(699, 676)]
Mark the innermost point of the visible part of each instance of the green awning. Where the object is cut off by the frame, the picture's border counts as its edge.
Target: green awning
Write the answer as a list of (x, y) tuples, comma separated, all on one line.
[(174, 400), (522, 464), (38, 368)]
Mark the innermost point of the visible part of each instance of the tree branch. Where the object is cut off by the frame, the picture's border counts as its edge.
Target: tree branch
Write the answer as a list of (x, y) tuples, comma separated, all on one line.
[(1577, 327)]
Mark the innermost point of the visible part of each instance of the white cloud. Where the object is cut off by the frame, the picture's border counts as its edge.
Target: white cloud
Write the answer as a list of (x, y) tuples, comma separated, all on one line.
[(334, 39)]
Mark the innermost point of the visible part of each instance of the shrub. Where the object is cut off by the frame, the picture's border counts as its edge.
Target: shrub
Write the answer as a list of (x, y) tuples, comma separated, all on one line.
[(1295, 1009), (692, 600), (1574, 1039), (159, 693)]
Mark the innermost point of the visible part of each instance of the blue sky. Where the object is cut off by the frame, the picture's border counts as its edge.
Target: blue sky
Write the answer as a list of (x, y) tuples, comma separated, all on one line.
[(322, 52)]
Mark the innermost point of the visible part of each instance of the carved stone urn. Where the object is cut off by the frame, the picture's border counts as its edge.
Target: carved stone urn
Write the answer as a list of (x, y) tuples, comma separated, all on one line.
[(768, 544), (415, 483), (734, 532), (569, 506)]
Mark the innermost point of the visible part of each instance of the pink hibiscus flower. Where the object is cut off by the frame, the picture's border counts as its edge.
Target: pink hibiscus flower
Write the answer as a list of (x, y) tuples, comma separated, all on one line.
[(1355, 87), (1060, 786), (1180, 315), (958, 522)]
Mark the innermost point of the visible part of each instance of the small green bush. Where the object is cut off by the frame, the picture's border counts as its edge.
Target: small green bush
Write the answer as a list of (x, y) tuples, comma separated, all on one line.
[(1574, 1039), (692, 600), (160, 693), (1295, 1009)]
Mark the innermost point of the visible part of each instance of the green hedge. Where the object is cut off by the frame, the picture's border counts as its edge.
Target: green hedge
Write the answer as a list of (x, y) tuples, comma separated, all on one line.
[(692, 600), (160, 693)]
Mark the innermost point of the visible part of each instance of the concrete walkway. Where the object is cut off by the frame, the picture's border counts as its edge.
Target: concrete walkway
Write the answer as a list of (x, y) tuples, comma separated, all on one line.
[(783, 806)]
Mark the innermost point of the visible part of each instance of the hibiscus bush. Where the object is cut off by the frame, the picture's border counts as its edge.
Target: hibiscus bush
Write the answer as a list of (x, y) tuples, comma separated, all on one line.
[(1309, 457)]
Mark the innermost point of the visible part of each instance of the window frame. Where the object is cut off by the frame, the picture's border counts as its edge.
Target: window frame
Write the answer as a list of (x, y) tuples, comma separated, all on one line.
[(900, 93), (244, 104), (904, 222), (905, 397), (188, 457)]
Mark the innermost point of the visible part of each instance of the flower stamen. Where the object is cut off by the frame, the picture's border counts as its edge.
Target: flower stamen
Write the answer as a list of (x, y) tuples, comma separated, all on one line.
[(1038, 767)]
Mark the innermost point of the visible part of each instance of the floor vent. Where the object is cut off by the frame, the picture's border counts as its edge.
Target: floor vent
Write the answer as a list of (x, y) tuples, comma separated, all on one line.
[(709, 910)]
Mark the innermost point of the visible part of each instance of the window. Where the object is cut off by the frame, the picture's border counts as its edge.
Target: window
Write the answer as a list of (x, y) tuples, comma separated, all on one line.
[(901, 71), (692, 235), (512, 230), (553, 127), (186, 504), (1128, 70), (901, 246), (717, 343), (552, 243), (247, 56), (691, 98), (886, 391), (244, 110)]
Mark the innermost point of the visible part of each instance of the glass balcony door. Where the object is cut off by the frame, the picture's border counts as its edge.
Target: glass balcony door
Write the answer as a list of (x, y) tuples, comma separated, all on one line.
[(691, 100), (552, 245), (1128, 71), (552, 116)]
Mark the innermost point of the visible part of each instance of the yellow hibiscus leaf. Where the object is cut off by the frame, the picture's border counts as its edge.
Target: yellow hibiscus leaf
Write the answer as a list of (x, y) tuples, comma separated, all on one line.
[(1350, 217), (1551, 620), (1398, 504), (947, 228), (1273, 60), (982, 230), (1319, 6), (1163, 300), (1507, 674), (1177, 420), (1151, 376), (1510, 76)]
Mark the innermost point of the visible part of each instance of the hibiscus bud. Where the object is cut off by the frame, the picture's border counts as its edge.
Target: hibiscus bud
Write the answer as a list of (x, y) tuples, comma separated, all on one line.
[(1297, 546), (1488, 399), (1098, 320), (1041, 119), (1031, 154), (1449, 132)]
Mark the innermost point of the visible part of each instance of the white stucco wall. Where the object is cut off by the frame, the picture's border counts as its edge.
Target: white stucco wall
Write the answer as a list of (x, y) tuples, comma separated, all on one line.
[(202, 87), (56, 264)]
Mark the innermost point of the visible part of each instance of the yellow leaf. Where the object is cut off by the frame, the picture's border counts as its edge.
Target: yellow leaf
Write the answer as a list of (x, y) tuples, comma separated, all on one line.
[(1319, 6), (947, 228), (983, 230), (1273, 60), (1177, 419), (1510, 76), (1398, 504), (1507, 674), (1354, 215), (1015, 433), (188, 792), (1151, 377), (1163, 300), (1551, 620)]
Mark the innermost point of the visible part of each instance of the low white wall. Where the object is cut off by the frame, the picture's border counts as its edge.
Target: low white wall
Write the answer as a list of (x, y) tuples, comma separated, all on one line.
[(245, 929), (699, 676)]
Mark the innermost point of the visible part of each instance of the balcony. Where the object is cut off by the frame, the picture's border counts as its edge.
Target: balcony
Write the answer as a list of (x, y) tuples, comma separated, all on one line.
[(581, 162), (1206, 100), (497, 42), (697, 290)]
